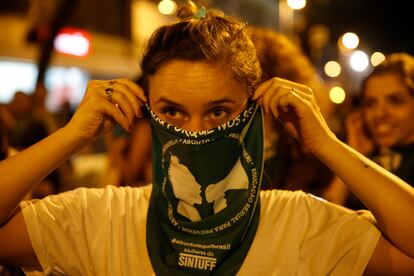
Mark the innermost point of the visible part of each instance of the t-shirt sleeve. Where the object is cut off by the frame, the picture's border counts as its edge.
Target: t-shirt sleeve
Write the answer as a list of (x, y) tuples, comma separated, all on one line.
[(335, 240), (56, 226), (83, 232)]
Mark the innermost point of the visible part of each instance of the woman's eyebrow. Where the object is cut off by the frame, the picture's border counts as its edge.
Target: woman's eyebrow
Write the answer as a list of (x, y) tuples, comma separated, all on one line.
[(168, 102), (219, 102), (208, 104)]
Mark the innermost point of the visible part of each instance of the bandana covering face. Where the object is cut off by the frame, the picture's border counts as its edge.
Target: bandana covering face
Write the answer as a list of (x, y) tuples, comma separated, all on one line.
[(204, 206)]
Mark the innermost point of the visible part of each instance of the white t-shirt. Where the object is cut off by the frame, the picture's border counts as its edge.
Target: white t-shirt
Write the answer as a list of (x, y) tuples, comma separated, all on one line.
[(103, 232)]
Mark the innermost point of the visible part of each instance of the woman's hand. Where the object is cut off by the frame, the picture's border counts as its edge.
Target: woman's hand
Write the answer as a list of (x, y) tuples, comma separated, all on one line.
[(106, 103), (294, 105), (356, 135)]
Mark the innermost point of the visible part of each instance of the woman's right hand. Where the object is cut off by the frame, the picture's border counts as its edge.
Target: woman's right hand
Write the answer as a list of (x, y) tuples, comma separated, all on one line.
[(100, 109), (356, 134)]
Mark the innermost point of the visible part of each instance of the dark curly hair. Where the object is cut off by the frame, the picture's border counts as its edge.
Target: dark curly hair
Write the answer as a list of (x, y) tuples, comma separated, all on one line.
[(401, 64)]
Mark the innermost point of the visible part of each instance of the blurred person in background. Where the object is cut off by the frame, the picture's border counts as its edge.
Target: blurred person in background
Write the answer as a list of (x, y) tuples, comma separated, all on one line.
[(5, 152), (25, 121), (27, 132), (24, 106), (284, 155), (39, 109), (382, 128), (204, 213), (130, 154), (19, 108)]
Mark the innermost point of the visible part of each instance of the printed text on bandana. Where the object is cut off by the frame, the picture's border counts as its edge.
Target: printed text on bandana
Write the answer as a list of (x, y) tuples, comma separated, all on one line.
[(199, 259)]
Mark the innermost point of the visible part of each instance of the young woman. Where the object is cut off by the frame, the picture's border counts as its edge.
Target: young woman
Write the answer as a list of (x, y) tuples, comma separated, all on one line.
[(382, 128), (204, 212)]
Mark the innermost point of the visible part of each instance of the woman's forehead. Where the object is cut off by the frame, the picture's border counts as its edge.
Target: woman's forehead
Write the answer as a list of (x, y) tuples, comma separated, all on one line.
[(384, 84), (185, 77)]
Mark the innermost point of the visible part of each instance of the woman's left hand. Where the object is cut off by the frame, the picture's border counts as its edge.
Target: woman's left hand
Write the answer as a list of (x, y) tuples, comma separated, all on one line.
[(295, 106)]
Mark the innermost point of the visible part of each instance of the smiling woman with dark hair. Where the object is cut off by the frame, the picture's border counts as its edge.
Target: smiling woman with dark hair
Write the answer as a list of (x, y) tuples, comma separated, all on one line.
[(204, 213), (382, 127)]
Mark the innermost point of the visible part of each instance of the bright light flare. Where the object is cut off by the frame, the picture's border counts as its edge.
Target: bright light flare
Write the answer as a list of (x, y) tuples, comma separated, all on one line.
[(359, 61), (350, 40), (167, 7), (296, 4), (337, 94), (72, 42), (332, 69), (377, 58)]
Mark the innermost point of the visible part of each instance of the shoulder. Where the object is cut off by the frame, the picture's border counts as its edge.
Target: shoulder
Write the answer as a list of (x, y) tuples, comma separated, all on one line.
[(108, 192), (289, 198), (85, 225), (319, 237), (306, 208), (91, 201), (111, 193)]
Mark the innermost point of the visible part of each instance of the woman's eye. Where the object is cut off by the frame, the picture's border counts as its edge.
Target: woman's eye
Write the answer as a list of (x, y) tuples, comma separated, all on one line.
[(170, 112), (219, 113), (397, 100), (172, 115)]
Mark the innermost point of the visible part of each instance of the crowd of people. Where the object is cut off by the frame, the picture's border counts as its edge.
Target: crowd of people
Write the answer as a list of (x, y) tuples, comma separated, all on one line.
[(231, 126)]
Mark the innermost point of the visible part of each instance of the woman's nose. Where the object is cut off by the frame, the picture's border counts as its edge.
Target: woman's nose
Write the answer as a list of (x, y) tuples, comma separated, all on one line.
[(381, 110), (196, 124)]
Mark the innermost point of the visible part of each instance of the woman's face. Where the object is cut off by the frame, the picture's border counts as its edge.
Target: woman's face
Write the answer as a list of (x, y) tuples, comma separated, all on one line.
[(389, 110), (195, 96)]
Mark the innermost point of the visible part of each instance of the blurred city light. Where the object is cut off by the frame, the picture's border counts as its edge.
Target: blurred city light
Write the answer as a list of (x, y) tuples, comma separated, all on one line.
[(359, 61), (16, 76), (332, 69), (296, 4), (64, 84), (167, 7), (72, 41), (350, 40), (337, 94), (377, 58)]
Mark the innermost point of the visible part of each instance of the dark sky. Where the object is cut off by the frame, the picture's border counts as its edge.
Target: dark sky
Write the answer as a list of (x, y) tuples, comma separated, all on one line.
[(386, 26)]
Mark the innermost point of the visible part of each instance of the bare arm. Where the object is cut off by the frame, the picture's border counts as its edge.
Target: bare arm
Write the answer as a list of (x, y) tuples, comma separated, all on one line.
[(357, 138), (20, 173), (16, 248), (389, 198)]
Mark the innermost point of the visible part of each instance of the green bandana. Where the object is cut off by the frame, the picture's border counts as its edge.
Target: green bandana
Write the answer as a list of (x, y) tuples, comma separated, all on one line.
[(204, 206)]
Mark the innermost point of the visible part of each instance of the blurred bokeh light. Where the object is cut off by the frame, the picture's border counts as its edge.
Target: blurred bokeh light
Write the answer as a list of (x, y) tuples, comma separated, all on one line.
[(332, 69), (337, 94), (296, 4), (359, 61), (377, 58), (167, 7), (350, 40)]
